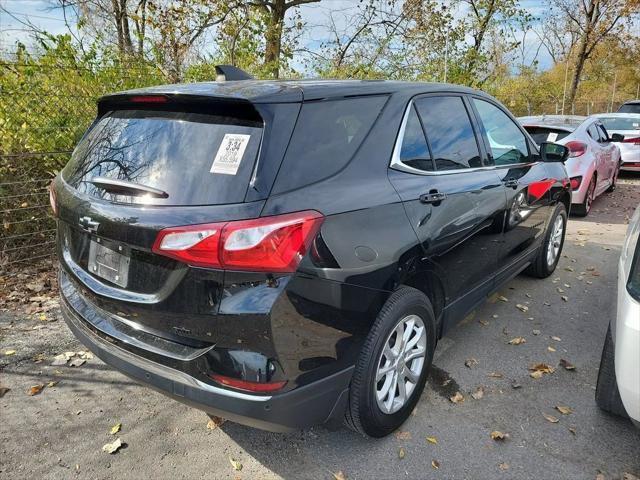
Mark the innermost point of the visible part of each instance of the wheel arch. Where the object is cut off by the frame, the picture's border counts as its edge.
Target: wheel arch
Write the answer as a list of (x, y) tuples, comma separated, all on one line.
[(429, 283)]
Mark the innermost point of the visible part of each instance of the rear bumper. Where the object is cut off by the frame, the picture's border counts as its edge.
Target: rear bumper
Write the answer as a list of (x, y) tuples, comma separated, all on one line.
[(322, 401)]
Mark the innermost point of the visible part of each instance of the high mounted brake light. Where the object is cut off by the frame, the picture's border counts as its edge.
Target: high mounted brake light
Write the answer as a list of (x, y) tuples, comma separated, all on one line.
[(148, 99), (266, 244)]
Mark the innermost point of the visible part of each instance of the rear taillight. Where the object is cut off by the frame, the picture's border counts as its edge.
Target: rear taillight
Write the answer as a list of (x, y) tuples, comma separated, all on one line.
[(576, 149), (634, 141), (575, 183), (53, 200), (267, 244), (258, 387)]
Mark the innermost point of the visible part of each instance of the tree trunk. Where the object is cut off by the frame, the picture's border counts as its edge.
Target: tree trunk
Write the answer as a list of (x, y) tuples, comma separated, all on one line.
[(126, 33), (590, 19), (273, 38)]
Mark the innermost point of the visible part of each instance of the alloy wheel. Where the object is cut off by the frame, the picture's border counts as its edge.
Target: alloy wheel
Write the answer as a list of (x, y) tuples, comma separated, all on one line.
[(555, 241), (400, 364)]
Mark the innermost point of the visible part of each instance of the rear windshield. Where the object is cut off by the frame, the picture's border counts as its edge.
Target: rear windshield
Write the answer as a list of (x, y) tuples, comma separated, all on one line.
[(197, 159), (630, 108), (620, 123), (546, 134), (326, 136)]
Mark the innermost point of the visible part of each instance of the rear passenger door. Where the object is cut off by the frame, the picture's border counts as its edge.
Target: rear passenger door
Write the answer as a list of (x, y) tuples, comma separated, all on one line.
[(454, 204), (526, 182)]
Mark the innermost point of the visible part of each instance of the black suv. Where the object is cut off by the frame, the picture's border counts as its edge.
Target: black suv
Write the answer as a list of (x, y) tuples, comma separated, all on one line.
[(284, 254)]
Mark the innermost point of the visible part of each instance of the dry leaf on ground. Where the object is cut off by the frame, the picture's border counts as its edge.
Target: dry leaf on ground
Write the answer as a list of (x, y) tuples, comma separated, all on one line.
[(498, 435), (115, 429), (77, 362), (538, 369), (435, 464), (550, 418), (339, 475), (478, 393), (237, 466), (433, 440), (522, 308), (503, 466), (484, 323), (214, 422), (566, 364), (112, 447), (4, 390), (557, 339), (470, 362), (551, 349), (403, 435), (503, 298), (401, 453), (629, 476), (457, 398), (35, 390), (517, 341), (564, 410)]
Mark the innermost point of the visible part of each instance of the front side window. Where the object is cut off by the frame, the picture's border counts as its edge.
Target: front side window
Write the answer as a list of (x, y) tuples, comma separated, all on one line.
[(604, 136), (414, 151), (593, 132), (449, 132), (507, 142)]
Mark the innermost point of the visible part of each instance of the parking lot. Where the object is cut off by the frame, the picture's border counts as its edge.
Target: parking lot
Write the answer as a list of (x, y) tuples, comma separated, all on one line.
[(60, 432)]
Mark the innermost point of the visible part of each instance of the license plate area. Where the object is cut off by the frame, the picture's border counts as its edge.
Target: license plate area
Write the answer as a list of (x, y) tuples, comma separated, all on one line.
[(110, 262)]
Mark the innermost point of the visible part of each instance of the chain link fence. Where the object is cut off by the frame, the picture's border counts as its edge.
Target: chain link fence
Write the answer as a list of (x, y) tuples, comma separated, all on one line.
[(47, 101)]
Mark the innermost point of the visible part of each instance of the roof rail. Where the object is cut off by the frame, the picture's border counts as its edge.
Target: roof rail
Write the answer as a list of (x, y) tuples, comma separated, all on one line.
[(229, 72)]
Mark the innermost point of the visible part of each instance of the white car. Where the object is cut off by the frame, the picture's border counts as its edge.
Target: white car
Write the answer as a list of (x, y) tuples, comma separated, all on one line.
[(618, 387), (594, 160), (627, 125)]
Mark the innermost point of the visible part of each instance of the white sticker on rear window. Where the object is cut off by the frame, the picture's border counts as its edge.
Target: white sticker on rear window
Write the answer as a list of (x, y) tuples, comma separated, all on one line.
[(552, 137), (230, 153)]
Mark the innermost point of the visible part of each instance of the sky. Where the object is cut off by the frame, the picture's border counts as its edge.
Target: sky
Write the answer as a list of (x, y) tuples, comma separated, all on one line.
[(40, 14)]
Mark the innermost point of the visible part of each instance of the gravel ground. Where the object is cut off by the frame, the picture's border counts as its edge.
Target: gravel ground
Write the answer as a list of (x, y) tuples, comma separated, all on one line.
[(59, 433)]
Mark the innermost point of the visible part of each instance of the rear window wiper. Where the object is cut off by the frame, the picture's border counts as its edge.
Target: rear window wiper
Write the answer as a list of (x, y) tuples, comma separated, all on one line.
[(127, 188)]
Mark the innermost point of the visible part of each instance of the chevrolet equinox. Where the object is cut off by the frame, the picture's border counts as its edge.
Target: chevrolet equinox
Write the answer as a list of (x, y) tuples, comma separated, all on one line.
[(286, 254)]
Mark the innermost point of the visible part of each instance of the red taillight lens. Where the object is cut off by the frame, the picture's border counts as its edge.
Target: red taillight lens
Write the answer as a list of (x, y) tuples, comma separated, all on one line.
[(575, 183), (53, 200), (634, 141), (576, 148), (268, 244), (148, 99), (248, 386)]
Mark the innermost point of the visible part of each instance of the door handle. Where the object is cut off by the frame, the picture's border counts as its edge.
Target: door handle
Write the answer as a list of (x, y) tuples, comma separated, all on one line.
[(510, 182), (432, 197)]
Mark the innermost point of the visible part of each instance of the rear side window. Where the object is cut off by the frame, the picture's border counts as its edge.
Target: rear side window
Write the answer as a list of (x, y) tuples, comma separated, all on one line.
[(593, 132), (326, 136), (196, 159), (414, 151), (449, 132)]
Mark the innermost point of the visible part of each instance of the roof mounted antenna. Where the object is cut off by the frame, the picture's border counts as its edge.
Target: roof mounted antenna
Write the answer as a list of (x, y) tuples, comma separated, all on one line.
[(229, 72)]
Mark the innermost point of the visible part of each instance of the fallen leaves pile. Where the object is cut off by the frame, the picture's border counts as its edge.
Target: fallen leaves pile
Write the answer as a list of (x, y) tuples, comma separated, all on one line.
[(33, 291)]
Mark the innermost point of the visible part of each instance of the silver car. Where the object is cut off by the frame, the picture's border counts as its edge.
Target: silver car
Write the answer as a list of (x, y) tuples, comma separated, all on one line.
[(594, 160), (627, 125), (618, 387)]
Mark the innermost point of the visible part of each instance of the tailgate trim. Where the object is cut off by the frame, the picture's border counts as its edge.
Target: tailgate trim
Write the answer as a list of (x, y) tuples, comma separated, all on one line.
[(100, 288)]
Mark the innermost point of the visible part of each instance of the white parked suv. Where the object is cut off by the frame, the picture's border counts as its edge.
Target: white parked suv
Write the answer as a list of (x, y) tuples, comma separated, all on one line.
[(618, 387)]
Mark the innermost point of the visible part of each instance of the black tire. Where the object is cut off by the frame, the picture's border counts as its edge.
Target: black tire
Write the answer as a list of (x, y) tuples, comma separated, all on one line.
[(363, 413), (607, 393), (583, 209), (540, 267)]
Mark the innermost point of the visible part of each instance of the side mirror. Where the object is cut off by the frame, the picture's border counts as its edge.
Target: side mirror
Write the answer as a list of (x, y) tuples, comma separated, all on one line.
[(616, 137), (552, 152)]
